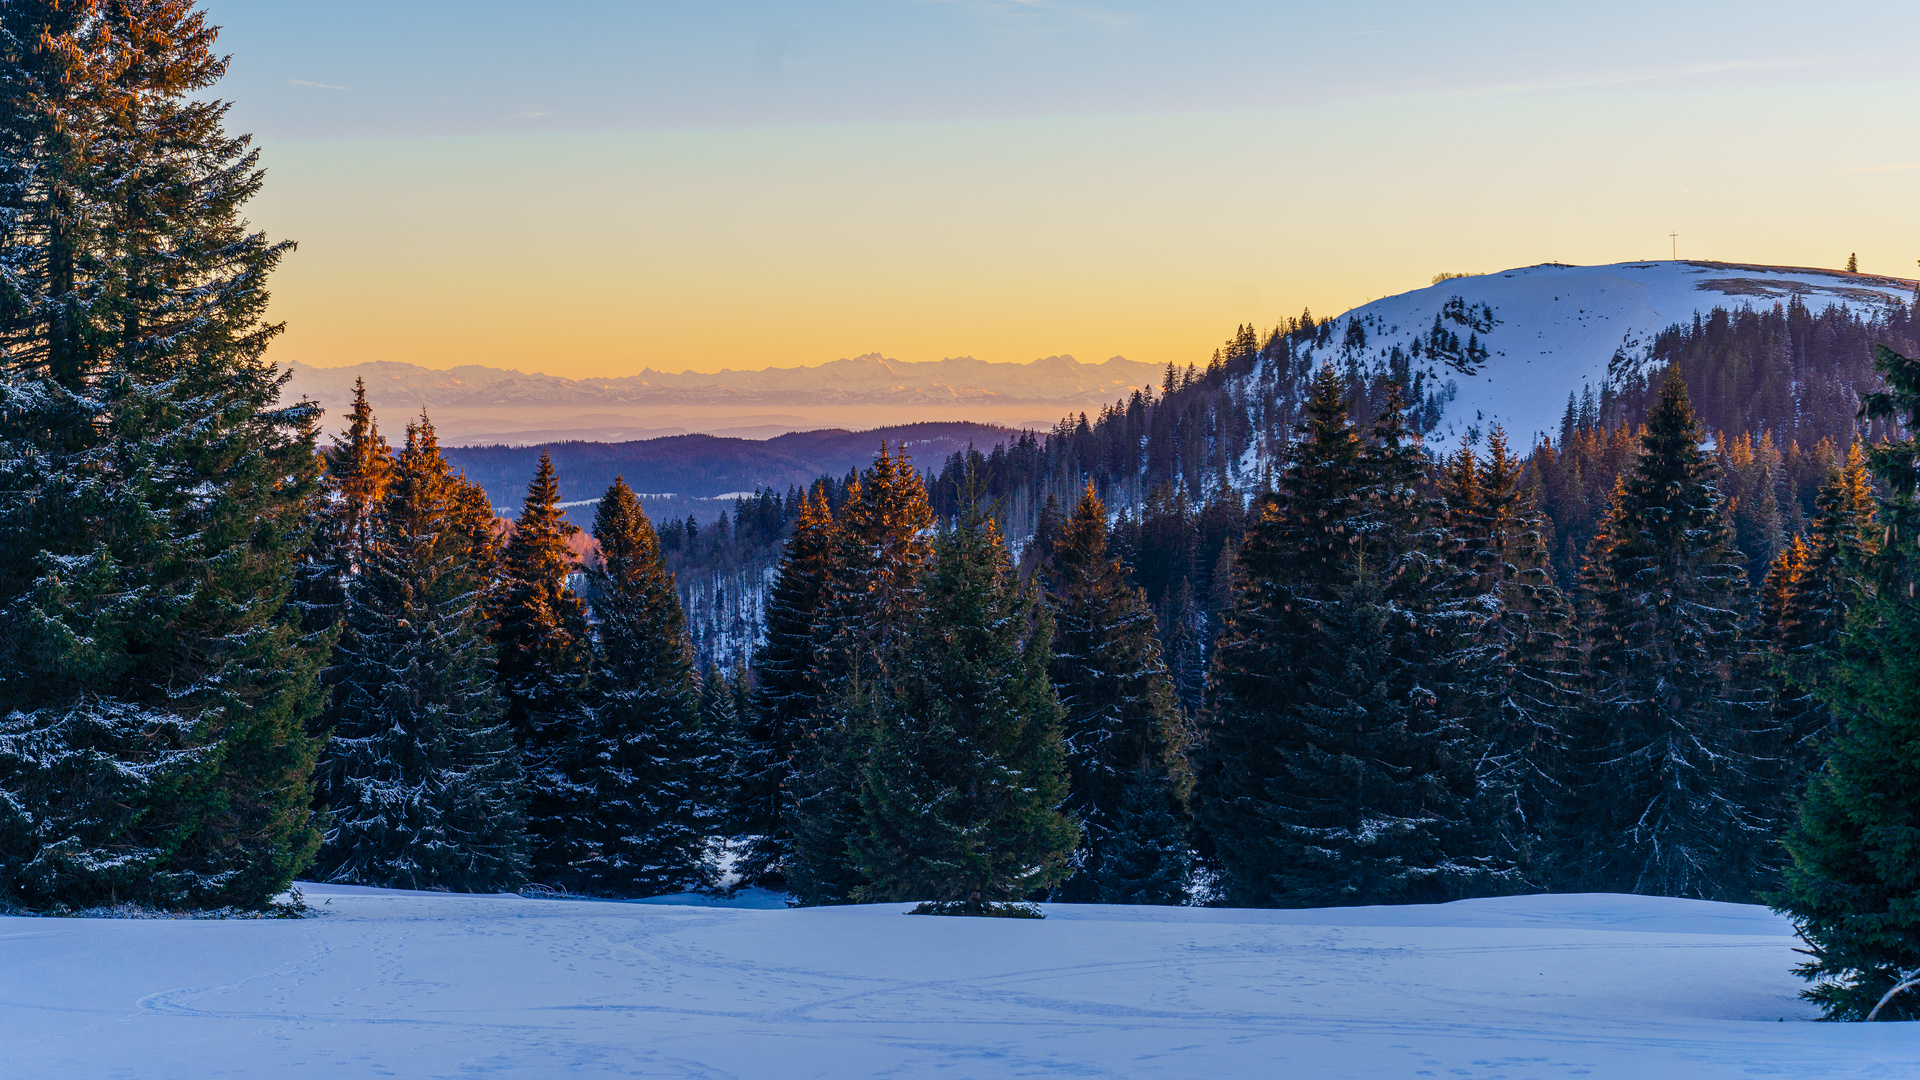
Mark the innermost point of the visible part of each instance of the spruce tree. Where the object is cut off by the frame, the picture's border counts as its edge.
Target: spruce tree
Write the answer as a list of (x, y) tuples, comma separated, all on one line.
[(1664, 748), (1427, 721), (1337, 763), (421, 774), (1125, 734), (967, 772), (789, 693), (1853, 887), (1777, 587), (645, 770), (357, 468), (1294, 558), (730, 736), (874, 598), (1501, 544), (474, 516), (156, 493), (544, 653), (1812, 611)]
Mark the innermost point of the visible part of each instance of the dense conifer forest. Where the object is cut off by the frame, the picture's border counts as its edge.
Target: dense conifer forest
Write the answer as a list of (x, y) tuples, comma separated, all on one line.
[(1243, 639)]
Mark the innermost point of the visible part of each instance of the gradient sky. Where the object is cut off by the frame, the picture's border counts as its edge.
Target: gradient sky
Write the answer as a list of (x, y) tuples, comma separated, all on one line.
[(591, 188)]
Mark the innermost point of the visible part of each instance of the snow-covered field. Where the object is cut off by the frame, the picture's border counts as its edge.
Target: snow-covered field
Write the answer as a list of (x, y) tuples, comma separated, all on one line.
[(432, 985)]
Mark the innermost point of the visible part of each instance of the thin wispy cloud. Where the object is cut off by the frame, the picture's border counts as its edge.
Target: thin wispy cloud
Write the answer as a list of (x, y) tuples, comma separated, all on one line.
[(1632, 76), (530, 112), (313, 85)]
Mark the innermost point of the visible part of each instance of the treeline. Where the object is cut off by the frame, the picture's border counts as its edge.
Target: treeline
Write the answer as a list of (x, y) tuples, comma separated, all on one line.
[(1166, 458), (497, 711), (1402, 702), (931, 724), (1780, 391)]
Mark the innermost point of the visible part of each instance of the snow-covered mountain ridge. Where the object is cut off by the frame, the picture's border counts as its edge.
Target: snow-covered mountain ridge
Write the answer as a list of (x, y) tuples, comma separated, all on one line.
[(1513, 344)]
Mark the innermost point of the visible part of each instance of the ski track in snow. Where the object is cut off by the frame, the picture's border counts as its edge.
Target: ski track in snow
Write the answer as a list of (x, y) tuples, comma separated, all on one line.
[(433, 985)]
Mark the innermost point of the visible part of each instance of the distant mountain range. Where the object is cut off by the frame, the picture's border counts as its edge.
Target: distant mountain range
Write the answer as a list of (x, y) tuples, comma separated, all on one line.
[(702, 474), (474, 404)]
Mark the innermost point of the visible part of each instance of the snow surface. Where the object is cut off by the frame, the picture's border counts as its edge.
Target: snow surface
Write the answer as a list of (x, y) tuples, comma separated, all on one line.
[(435, 985), (1559, 326)]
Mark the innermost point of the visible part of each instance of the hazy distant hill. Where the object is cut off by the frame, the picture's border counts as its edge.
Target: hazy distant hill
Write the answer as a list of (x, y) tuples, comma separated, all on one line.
[(1553, 329), (699, 474), (481, 404)]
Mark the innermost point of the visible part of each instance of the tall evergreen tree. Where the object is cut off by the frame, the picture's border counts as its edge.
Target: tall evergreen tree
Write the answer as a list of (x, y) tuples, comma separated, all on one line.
[(789, 694), (1125, 734), (1811, 611), (1782, 580), (544, 654), (155, 493), (358, 465), (730, 735), (967, 772), (874, 599), (645, 769), (1337, 766), (421, 774), (474, 516), (1295, 556), (1853, 887), (1665, 746), (1501, 538)]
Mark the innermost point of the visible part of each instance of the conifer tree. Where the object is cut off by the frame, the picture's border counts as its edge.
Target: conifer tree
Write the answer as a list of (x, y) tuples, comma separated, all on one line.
[(473, 514), (1665, 746), (730, 735), (1809, 614), (874, 599), (967, 772), (544, 655), (1125, 734), (1182, 625), (1853, 887), (1337, 766), (885, 548), (1295, 556), (1749, 482), (156, 494), (1785, 751), (1501, 538), (789, 694), (1046, 533), (357, 468), (1782, 580), (641, 762), (421, 774)]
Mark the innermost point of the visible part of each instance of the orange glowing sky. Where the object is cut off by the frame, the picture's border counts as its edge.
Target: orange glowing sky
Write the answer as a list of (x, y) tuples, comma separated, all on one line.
[(1014, 180)]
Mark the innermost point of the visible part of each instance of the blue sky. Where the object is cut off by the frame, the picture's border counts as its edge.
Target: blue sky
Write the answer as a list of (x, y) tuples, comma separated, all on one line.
[(428, 67), (1014, 179)]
